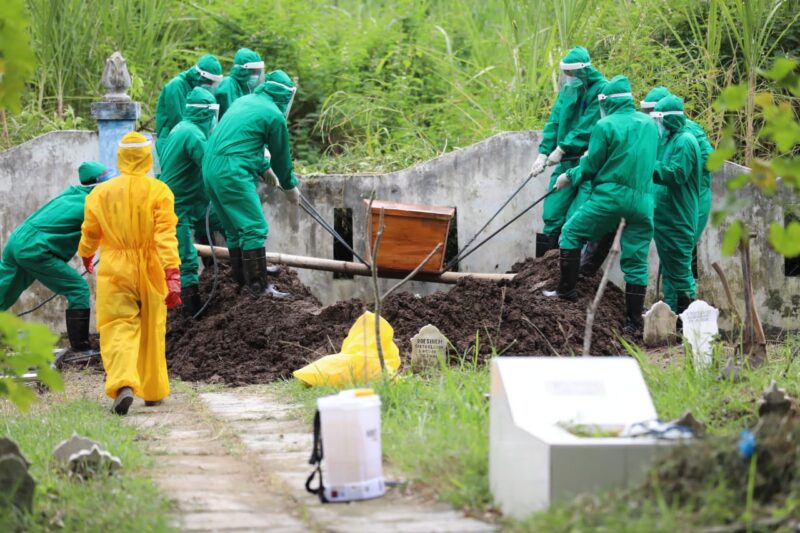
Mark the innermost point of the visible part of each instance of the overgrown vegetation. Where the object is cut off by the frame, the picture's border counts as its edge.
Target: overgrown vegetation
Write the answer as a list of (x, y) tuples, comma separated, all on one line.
[(127, 501), (384, 84), (435, 430)]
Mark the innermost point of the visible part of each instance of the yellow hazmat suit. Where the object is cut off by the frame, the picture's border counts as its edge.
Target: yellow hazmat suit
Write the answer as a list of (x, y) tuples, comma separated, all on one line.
[(358, 361), (132, 220)]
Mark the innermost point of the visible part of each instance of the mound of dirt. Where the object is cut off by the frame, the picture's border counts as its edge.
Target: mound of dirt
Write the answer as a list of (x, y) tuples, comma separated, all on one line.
[(241, 341)]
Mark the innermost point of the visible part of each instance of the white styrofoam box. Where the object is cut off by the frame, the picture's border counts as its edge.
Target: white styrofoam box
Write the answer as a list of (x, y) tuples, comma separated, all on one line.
[(534, 462), (350, 424)]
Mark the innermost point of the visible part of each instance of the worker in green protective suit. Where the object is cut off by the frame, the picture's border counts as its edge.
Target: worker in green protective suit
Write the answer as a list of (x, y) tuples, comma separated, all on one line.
[(246, 74), (206, 73), (619, 168), (40, 247), (677, 175), (182, 171), (704, 205), (233, 162), (565, 138)]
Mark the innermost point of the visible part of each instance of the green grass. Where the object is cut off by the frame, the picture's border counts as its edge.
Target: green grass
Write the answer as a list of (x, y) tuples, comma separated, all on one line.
[(126, 502), (435, 430)]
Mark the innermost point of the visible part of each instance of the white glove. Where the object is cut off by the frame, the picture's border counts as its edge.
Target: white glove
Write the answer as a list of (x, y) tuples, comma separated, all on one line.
[(555, 156), (538, 165), (561, 182), (293, 195), (270, 178)]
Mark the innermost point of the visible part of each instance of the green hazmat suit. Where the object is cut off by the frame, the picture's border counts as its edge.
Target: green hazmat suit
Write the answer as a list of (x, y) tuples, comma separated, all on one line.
[(171, 101), (618, 167), (704, 206), (234, 160), (181, 170), (238, 83), (40, 247), (572, 118), (677, 178)]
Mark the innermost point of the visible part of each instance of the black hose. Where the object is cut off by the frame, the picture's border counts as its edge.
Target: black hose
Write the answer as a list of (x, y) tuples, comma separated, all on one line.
[(49, 299), (216, 266)]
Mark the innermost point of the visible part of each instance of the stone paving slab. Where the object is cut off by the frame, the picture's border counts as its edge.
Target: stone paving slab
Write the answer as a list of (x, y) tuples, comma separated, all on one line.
[(211, 489), (268, 427)]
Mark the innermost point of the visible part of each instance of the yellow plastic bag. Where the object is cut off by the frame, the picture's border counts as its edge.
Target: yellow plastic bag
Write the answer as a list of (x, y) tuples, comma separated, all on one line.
[(358, 361)]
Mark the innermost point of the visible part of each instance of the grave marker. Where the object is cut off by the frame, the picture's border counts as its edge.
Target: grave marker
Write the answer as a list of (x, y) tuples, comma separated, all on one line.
[(659, 324), (699, 328), (426, 348)]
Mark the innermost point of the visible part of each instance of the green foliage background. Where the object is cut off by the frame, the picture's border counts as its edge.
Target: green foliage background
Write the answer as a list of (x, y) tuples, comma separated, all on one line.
[(384, 84)]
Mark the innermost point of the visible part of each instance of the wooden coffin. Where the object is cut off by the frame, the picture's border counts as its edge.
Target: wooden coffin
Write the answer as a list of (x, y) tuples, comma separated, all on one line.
[(410, 232)]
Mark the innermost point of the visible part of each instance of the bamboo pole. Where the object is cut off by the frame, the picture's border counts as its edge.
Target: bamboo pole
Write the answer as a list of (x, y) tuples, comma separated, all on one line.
[(356, 269)]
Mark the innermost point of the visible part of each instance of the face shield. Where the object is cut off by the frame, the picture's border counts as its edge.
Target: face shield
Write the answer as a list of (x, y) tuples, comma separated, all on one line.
[(569, 74), (603, 97), (291, 99), (209, 80), (214, 108), (647, 107), (256, 71), (105, 176), (658, 116)]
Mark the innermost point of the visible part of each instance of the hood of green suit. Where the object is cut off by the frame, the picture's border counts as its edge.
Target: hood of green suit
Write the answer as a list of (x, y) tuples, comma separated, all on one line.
[(672, 123), (243, 56), (655, 94), (588, 75), (208, 63), (280, 95), (89, 171), (201, 116), (617, 85)]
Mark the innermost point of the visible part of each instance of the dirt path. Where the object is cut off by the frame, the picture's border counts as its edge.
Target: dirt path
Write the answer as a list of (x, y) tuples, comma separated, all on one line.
[(237, 461)]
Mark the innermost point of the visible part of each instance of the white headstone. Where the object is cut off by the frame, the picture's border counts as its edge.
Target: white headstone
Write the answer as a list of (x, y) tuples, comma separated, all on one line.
[(699, 328), (659, 324), (426, 348)]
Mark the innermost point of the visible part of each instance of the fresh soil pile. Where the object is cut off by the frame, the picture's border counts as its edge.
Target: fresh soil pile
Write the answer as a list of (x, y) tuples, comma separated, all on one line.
[(240, 341)]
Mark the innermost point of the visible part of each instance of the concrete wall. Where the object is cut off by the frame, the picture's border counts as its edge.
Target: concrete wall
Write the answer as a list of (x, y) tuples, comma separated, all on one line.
[(475, 180), (30, 175)]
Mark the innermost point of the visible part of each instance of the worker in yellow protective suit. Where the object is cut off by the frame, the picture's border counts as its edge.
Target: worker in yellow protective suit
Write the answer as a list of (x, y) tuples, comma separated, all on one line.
[(131, 219)]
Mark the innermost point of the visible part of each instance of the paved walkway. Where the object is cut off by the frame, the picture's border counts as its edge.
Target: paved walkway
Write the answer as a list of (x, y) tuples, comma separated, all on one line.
[(238, 461)]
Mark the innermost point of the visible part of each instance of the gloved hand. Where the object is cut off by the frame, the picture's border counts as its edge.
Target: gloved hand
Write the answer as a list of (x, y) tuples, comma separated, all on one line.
[(555, 156), (270, 178), (539, 164), (173, 276), (88, 265), (561, 182), (293, 194)]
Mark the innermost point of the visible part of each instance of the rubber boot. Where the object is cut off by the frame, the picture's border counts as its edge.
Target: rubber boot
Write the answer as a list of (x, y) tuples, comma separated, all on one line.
[(236, 265), (78, 329), (594, 255), (634, 305), (255, 275), (190, 296), (570, 263), (122, 402), (542, 244), (153, 403)]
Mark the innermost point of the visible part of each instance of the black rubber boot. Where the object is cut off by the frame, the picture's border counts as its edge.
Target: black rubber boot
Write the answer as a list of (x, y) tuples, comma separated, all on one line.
[(570, 263), (237, 269), (78, 329), (683, 303), (190, 296), (153, 403), (634, 305), (122, 402), (542, 244), (255, 275), (594, 255)]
